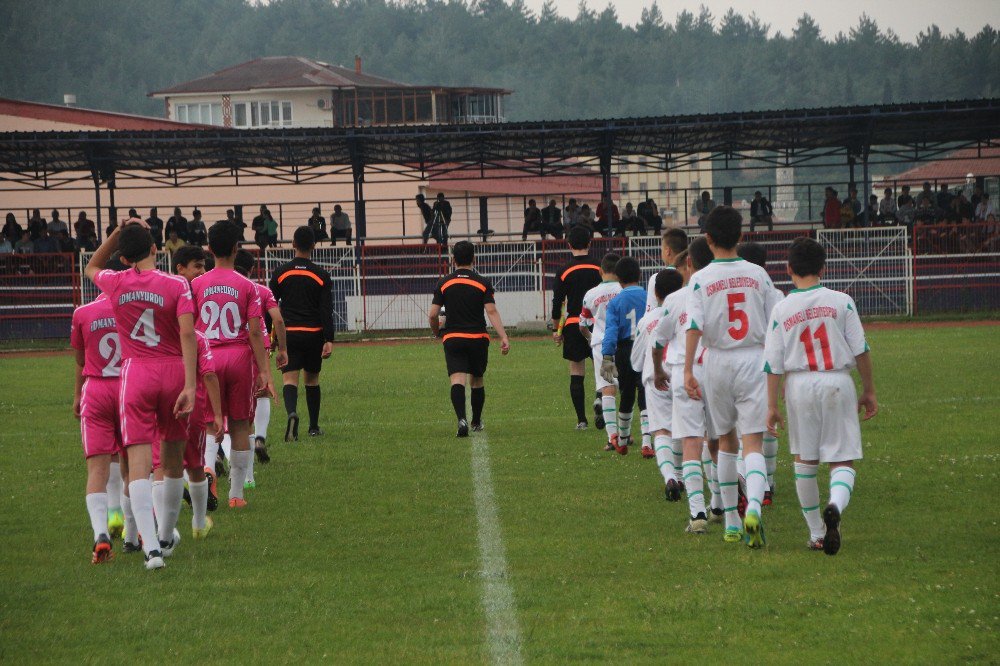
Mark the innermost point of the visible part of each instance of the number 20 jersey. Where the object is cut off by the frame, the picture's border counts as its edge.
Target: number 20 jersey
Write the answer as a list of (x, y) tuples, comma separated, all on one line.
[(226, 302), (730, 303)]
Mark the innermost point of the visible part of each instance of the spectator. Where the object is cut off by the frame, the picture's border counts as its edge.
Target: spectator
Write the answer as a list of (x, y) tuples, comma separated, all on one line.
[(197, 232), (961, 209), (112, 225), (532, 220), (985, 211), (702, 208), (443, 206), (926, 213), (904, 197), (650, 215), (927, 192), (552, 220), (5, 246), (155, 228), (761, 212), (872, 211), (265, 229), (177, 223), (25, 245), (571, 215), (631, 222), (174, 242), (57, 225), (607, 227), (831, 210), (35, 224), (231, 217), (850, 209), (427, 214), (12, 230), (86, 232), (586, 219), (944, 198), (887, 208), (977, 196), (46, 244), (317, 223), (65, 243), (340, 225), (906, 211)]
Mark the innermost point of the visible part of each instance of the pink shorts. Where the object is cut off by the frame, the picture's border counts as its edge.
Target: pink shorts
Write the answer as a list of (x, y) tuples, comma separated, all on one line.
[(99, 419), (149, 391), (194, 450), (237, 373)]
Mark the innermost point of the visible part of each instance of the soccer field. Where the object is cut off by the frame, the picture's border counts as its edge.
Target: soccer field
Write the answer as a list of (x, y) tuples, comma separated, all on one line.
[(389, 540)]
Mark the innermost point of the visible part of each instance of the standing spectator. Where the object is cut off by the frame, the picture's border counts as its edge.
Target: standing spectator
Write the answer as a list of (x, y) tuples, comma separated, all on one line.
[(265, 229), (340, 225), (831, 210), (702, 208), (586, 219), (977, 196), (46, 244), (630, 222), (25, 245), (944, 198), (850, 209), (197, 233), (904, 197), (443, 206), (177, 223), (427, 213), (571, 215), (887, 208), (35, 224), (155, 228), (231, 218), (651, 218), (12, 230), (64, 243), (174, 242), (607, 227), (552, 220), (112, 225), (57, 225), (985, 211), (317, 222), (532, 220), (761, 212), (927, 192), (961, 209), (86, 232)]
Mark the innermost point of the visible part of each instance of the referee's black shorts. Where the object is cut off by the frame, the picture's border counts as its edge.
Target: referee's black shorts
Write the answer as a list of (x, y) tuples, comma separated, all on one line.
[(466, 354), (575, 346), (305, 351)]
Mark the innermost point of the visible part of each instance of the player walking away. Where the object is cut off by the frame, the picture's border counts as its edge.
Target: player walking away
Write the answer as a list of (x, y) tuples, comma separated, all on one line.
[(756, 253), (728, 310), (154, 315), (624, 312), (245, 263), (814, 339), (593, 319), (304, 292), (571, 284), (672, 243), (229, 313)]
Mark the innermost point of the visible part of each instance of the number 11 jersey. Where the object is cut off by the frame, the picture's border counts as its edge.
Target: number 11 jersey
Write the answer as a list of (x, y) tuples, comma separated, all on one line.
[(730, 303)]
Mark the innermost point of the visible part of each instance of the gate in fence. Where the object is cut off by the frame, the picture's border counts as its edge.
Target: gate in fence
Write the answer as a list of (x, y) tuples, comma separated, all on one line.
[(872, 265)]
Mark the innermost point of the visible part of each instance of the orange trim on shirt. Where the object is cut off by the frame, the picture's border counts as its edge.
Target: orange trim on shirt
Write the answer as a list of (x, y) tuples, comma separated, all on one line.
[(305, 329), (571, 320), (578, 267), (467, 336), (472, 283), (308, 274)]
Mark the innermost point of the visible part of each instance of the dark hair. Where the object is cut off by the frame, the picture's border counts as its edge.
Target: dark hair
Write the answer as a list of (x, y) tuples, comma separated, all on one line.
[(115, 263), (667, 282), (135, 243), (185, 255), (245, 262), (224, 238), (680, 258), (627, 270), (463, 252), (700, 253), (579, 238), (755, 253), (609, 262), (676, 239), (806, 257), (724, 224), (304, 239), (209, 262)]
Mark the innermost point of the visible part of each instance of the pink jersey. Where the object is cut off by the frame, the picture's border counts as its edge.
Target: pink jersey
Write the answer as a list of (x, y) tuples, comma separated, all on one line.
[(206, 365), (147, 305), (226, 302), (94, 332), (267, 302)]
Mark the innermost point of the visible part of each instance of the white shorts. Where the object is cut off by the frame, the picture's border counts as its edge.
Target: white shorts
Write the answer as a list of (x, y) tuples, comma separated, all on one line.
[(823, 416), (737, 390), (598, 359), (659, 407), (690, 417)]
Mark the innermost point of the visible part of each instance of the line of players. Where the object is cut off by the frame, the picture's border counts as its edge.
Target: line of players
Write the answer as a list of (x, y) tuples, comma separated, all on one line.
[(703, 352), (154, 381)]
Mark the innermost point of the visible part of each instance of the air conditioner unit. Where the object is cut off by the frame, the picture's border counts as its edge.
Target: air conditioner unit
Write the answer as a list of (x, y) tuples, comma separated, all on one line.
[(321, 103)]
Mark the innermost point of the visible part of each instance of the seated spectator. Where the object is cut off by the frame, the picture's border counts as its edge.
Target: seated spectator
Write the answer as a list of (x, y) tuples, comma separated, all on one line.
[(887, 208), (177, 223), (25, 245), (604, 225), (155, 228), (46, 244), (36, 223), (850, 210), (5, 246), (586, 219), (904, 197), (985, 211), (702, 208), (906, 212), (872, 211), (532, 220), (571, 215), (56, 225), (65, 243), (925, 213), (552, 220), (12, 230), (86, 232), (630, 221), (174, 242), (197, 232), (340, 225), (651, 217), (961, 209), (944, 198), (831, 209), (318, 224), (761, 212)]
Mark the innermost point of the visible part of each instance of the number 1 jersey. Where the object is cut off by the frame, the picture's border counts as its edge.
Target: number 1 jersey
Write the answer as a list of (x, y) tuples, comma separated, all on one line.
[(730, 303), (227, 302)]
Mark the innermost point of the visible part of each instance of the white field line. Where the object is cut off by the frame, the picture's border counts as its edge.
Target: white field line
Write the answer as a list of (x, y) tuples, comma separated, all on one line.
[(502, 629)]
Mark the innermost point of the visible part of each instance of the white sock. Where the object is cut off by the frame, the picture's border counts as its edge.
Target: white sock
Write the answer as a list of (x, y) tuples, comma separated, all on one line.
[(841, 486), (756, 481), (664, 458), (610, 415), (262, 417), (131, 531), (114, 487), (694, 485), (211, 452), (644, 426), (97, 507), (227, 447), (253, 441), (159, 512), (727, 487), (713, 477), (808, 492), (199, 503), (173, 494), (741, 466), (770, 458), (677, 450), (141, 494), (624, 425), (238, 464)]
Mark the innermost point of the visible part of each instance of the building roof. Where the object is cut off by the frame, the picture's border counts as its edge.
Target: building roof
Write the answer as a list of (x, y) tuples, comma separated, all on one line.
[(284, 72), (954, 167), (72, 115)]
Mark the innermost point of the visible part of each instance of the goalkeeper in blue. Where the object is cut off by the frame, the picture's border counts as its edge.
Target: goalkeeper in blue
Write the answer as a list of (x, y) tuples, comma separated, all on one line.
[(624, 312)]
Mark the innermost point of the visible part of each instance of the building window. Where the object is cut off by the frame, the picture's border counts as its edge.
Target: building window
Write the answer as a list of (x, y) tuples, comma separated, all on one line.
[(624, 188), (643, 187), (262, 114), (201, 114), (663, 186)]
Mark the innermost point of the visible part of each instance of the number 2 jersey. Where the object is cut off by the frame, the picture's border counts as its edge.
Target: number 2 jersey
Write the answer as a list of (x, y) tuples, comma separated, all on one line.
[(814, 329), (227, 302), (94, 331), (730, 303)]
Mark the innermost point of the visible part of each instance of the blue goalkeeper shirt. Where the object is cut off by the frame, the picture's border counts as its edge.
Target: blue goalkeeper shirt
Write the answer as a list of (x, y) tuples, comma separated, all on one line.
[(624, 312)]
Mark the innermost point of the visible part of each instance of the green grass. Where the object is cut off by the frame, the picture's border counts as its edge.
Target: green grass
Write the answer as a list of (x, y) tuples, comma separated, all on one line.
[(362, 546)]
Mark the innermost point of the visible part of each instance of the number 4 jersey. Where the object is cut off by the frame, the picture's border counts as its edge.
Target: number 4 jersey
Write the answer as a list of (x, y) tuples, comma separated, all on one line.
[(730, 303), (815, 329)]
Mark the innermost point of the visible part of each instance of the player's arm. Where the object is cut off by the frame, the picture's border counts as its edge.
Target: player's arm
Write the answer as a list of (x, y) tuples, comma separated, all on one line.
[(189, 350), (326, 315), (867, 401), (586, 322), (690, 349), (280, 336), (81, 361), (434, 319), (494, 316), (774, 420), (664, 332), (211, 381), (264, 382), (558, 296), (608, 369)]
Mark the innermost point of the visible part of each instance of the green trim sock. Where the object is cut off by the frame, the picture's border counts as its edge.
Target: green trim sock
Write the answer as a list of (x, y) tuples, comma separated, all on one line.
[(644, 426), (770, 458), (624, 424), (728, 482), (842, 486), (677, 449), (756, 479), (664, 459), (694, 485), (610, 411), (808, 492)]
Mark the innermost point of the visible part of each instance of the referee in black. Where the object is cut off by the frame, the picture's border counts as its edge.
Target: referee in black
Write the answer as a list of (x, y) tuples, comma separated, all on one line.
[(305, 294), (576, 278), (465, 294)]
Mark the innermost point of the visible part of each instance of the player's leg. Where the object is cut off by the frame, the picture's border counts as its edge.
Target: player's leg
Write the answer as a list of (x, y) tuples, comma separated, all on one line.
[(709, 446), (647, 447), (97, 505), (172, 466), (312, 364), (239, 463), (807, 490), (261, 422), (770, 451), (116, 520), (140, 491), (720, 411), (457, 381), (599, 385), (694, 484), (751, 406), (290, 396), (458, 364), (842, 476), (628, 384), (130, 535), (198, 483), (840, 446)]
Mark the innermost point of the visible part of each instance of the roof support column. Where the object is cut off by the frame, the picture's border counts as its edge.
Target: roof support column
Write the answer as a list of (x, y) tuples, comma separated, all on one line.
[(358, 174), (605, 165), (866, 186), (97, 204)]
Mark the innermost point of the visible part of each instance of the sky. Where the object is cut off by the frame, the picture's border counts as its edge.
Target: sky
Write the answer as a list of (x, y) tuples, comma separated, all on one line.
[(906, 17)]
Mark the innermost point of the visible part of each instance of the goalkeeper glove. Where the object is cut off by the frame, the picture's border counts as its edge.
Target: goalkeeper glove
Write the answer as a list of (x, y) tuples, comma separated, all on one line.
[(609, 372)]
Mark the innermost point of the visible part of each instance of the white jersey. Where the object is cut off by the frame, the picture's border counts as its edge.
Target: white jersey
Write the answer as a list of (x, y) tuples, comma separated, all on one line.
[(815, 329), (731, 301), (651, 288), (641, 348), (671, 332), (595, 309)]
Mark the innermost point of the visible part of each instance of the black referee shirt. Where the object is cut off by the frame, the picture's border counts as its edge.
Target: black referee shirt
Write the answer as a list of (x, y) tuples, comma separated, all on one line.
[(305, 293), (464, 294), (577, 278)]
